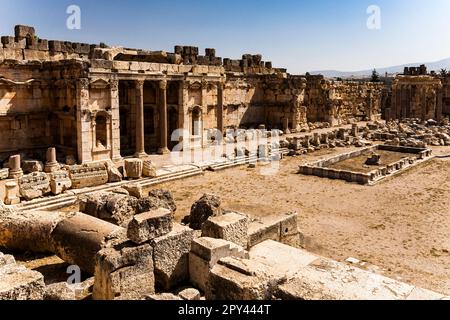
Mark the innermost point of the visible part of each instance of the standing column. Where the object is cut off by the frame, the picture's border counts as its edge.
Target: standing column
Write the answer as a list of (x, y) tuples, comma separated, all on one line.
[(220, 125), (15, 171), (52, 164), (140, 136), (115, 121), (84, 133), (439, 114), (163, 117)]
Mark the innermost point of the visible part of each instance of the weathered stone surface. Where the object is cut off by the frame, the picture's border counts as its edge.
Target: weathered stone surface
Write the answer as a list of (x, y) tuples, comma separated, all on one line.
[(163, 297), (114, 174), (149, 169), (171, 256), (204, 255), (230, 226), (91, 175), (133, 168), (64, 291), (190, 294), (241, 279), (19, 283), (4, 173), (207, 206), (30, 166), (150, 225), (60, 182), (157, 199), (124, 272), (282, 228), (34, 185), (134, 190)]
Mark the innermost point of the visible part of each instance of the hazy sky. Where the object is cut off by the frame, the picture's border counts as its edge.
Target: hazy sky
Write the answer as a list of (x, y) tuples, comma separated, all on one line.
[(302, 35)]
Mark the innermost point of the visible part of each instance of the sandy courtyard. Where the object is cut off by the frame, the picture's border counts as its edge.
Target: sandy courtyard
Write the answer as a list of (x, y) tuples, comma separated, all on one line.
[(401, 224)]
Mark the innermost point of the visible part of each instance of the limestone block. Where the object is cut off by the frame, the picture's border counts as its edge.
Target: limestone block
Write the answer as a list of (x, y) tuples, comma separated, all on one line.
[(171, 255), (133, 168), (134, 190), (231, 226), (64, 291), (34, 185), (18, 282), (204, 255), (241, 279), (149, 169), (190, 294), (88, 175), (163, 297), (4, 173), (60, 182), (150, 225), (124, 272), (36, 55), (30, 166), (114, 174), (121, 65)]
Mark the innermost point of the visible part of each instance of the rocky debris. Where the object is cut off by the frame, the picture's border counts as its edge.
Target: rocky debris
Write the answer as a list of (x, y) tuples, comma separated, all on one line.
[(149, 169), (18, 282), (64, 291), (120, 207), (171, 257), (134, 190), (373, 160), (34, 185), (150, 225), (30, 166), (133, 168), (114, 174), (189, 294), (231, 226), (207, 206), (163, 297)]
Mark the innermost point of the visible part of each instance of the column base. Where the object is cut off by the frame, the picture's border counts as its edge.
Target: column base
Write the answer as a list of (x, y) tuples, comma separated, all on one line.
[(51, 167), (163, 151), (140, 155), (15, 174)]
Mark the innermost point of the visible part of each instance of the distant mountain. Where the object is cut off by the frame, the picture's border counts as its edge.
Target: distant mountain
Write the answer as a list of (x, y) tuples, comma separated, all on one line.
[(437, 66)]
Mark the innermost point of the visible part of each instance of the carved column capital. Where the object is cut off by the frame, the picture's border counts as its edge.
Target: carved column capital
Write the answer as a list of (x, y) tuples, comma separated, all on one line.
[(139, 84)]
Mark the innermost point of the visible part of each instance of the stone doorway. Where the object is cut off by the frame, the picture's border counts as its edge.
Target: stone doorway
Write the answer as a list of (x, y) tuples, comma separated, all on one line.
[(127, 118)]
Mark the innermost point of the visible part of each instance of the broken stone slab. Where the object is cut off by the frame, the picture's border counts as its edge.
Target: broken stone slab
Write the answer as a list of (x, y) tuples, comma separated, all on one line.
[(18, 282), (149, 169), (134, 190), (189, 294), (114, 174), (204, 255), (171, 257), (157, 199), (4, 173), (88, 175), (30, 166), (60, 182), (207, 206), (163, 297), (34, 185), (241, 279), (231, 226), (150, 225), (133, 168), (124, 272), (64, 291)]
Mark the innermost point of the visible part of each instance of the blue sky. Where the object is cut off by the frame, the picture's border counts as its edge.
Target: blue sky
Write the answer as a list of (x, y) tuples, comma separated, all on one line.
[(302, 35)]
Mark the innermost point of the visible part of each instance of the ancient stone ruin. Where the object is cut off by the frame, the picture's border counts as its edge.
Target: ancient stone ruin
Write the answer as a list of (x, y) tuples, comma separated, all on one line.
[(87, 132)]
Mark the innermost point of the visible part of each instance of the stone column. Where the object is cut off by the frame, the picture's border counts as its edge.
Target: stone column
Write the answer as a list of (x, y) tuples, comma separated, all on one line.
[(163, 117), (286, 125), (220, 125), (51, 165), (15, 171), (439, 114), (84, 137), (140, 135), (115, 121), (11, 197)]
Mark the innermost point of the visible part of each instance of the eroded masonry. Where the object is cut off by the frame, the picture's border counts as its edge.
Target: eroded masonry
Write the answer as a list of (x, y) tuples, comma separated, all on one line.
[(80, 124)]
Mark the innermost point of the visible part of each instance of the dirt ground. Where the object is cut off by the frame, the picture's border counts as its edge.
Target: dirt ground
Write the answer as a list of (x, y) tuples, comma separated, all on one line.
[(401, 224)]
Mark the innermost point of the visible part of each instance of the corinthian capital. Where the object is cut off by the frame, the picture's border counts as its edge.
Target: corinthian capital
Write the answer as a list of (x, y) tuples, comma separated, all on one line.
[(163, 84)]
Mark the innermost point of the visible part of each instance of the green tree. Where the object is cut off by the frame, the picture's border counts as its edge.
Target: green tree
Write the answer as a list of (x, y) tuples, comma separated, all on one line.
[(444, 72), (375, 76)]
